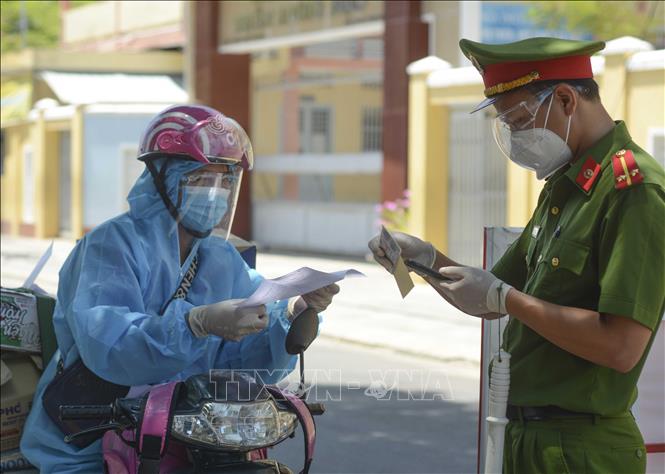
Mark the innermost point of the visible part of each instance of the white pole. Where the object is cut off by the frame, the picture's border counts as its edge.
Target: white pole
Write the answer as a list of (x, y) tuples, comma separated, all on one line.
[(496, 419)]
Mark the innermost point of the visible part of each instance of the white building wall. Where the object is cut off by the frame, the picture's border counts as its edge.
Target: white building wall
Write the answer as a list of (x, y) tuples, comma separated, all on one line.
[(105, 141), (327, 227)]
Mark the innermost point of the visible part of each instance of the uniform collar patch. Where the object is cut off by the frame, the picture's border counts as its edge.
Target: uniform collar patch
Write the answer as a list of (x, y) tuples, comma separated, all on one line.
[(588, 174)]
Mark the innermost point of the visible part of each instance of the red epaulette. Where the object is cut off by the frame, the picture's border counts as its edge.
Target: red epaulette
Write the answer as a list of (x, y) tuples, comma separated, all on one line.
[(626, 172)]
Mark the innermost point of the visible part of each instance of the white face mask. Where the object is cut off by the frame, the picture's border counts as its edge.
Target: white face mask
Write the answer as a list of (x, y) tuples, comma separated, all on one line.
[(540, 149)]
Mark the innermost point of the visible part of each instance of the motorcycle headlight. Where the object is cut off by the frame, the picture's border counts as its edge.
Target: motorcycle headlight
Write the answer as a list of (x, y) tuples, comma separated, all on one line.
[(236, 425)]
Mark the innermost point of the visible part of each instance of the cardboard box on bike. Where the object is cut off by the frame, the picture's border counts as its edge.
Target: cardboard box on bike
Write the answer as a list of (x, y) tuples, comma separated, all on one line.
[(26, 322), (19, 325), (13, 460), (16, 398)]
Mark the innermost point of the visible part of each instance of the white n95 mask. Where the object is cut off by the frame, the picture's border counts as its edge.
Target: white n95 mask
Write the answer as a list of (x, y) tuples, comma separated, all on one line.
[(537, 149)]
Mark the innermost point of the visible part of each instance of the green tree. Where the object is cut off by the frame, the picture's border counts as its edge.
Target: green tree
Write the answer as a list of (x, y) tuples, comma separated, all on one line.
[(31, 23), (41, 26), (605, 20)]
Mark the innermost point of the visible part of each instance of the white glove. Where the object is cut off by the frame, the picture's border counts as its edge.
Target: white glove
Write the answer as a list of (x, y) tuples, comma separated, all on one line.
[(226, 320), (318, 300), (475, 291), (412, 248)]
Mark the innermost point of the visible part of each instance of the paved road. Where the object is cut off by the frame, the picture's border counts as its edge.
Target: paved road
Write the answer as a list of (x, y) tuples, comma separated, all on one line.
[(363, 434)]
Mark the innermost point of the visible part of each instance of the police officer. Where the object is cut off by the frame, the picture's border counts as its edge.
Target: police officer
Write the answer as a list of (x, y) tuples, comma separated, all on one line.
[(584, 284)]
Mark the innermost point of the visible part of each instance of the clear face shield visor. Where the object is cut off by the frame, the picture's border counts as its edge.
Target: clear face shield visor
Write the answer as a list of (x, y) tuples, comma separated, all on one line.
[(207, 198), (519, 119)]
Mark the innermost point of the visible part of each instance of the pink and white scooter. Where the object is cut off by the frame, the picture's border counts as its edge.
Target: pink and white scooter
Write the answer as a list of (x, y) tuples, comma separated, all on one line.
[(221, 422)]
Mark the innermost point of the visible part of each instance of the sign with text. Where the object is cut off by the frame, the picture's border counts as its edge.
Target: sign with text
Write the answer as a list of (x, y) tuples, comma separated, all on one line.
[(258, 20)]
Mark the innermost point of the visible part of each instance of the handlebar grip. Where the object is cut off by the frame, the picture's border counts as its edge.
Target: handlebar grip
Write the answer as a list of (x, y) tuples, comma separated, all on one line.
[(316, 409), (86, 412)]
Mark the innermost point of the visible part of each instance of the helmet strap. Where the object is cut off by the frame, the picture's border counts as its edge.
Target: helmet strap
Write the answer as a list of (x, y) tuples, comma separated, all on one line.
[(158, 177)]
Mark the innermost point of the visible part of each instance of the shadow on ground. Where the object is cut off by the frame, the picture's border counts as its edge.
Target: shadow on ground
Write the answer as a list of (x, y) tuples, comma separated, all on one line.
[(363, 434)]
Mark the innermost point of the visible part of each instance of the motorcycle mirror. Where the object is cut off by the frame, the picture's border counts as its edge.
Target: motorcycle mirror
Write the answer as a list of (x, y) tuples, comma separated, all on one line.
[(302, 332)]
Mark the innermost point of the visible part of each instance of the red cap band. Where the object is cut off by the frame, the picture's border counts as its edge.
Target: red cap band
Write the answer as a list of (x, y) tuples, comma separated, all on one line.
[(569, 67)]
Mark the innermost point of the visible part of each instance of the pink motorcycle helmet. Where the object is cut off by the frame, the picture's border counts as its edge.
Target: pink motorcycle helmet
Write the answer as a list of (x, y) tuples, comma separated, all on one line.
[(198, 133)]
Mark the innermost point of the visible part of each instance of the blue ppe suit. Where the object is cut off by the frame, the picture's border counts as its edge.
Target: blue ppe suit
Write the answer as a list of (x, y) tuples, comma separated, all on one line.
[(111, 293)]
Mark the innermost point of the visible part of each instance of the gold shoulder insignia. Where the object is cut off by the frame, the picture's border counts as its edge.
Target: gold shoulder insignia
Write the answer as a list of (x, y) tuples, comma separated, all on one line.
[(626, 172)]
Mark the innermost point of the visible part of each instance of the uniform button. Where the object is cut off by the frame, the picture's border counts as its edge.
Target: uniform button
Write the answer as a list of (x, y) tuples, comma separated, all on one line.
[(555, 262), (554, 210), (638, 453)]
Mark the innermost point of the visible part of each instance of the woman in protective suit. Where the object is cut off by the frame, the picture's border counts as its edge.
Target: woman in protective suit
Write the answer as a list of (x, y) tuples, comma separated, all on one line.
[(151, 296)]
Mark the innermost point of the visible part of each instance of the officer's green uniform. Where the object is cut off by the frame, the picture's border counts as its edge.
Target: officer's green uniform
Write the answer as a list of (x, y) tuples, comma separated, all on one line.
[(596, 241)]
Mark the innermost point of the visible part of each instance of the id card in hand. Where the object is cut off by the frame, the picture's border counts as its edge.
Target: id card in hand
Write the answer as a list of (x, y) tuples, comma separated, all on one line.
[(394, 254)]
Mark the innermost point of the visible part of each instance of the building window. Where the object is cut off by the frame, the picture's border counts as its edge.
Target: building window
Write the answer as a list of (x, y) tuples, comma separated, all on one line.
[(315, 188), (320, 122), (372, 129), (315, 129), (372, 48), (342, 49)]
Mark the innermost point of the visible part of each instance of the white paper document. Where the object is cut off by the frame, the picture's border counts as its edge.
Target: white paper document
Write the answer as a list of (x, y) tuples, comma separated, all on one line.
[(299, 282), (29, 282)]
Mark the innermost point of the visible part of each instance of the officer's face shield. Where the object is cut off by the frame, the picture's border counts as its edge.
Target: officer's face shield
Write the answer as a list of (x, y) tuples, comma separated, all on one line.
[(510, 117), (208, 196)]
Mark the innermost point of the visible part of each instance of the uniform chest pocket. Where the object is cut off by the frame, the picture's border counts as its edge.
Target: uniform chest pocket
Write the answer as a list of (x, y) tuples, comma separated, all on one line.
[(561, 273), (567, 256)]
